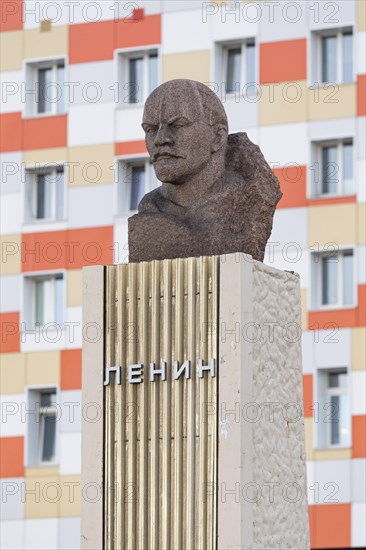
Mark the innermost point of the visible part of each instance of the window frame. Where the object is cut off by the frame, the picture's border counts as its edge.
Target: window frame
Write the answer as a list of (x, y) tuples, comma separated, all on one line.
[(122, 57), (224, 51), (31, 173), (317, 274), (31, 67), (323, 394), (338, 33), (316, 179), (35, 424), (29, 298), (124, 183)]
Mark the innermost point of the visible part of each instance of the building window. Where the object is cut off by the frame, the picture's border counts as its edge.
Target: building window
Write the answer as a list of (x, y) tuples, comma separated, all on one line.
[(335, 59), (334, 413), (45, 88), (139, 75), (334, 284), (42, 427), (44, 197), (137, 177), (239, 67), (333, 169), (44, 299)]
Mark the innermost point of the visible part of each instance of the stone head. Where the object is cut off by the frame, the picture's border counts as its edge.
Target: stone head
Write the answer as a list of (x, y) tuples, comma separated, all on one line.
[(186, 130)]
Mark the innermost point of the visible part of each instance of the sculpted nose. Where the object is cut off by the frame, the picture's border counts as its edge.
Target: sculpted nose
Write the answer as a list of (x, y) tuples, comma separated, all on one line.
[(163, 136)]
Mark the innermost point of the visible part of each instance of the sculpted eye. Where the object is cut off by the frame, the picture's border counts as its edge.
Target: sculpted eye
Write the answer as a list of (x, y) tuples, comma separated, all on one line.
[(149, 129), (180, 122)]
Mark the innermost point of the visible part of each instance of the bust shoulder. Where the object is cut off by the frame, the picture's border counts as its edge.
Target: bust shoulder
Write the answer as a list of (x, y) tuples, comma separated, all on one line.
[(151, 202)]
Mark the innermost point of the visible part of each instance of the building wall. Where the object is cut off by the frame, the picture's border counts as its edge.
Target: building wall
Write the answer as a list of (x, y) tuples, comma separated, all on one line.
[(289, 113)]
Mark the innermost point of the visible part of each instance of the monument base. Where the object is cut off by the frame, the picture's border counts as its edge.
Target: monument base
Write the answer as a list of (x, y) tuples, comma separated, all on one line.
[(198, 373)]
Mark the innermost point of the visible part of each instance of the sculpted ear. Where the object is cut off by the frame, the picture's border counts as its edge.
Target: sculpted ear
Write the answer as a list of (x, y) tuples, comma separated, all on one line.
[(220, 138)]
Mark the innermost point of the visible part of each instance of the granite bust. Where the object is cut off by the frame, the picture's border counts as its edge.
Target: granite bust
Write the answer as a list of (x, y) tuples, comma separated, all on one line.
[(218, 193)]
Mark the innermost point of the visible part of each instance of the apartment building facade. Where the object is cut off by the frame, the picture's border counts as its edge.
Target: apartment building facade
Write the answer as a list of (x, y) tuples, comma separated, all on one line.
[(74, 77)]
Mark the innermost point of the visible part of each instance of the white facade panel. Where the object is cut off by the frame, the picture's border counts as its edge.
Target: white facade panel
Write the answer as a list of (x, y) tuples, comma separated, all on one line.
[(332, 348), (330, 15), (99, 201), (233, 21), (12, 416), (320, 130), (284, 144), (12, 534), (70, 453), (92, 83), (358, 480), (361, 265), (310, 473), (12, 172), (358, 397), (307, 346), (180, 5), (11, 213), (358, 531), (361, 139), (120, 241), (65, 13), (289, 233), (73, 334), (91, 124), (361, 179), (71, 411), (69, 533), (361, 49), (44, 339), (12, 507), (128, 124), (334, 479), (10, 295), (241, 114), (283, 21), (41, 534), (12, 87), (175, 26)]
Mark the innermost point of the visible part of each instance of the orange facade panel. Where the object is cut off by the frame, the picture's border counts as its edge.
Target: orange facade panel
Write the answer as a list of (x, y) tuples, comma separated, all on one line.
[(11, 456), (307, 386), (11, 15), (138, 30), (293, 186), (10, 132), (359, 436), (130, 148), (45, 132), (283, 61), (10, 334), (71, 369), (361, 94), (343, 318), (89, 42), (330, 526), (70, 249)]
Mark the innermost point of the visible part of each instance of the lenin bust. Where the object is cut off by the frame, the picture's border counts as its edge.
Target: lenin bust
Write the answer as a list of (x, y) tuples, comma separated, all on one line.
[(218, 194)]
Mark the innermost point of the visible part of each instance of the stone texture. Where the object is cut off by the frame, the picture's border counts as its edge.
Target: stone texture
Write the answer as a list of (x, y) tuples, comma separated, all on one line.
[(262, 485), (279, 439), (218, 194)]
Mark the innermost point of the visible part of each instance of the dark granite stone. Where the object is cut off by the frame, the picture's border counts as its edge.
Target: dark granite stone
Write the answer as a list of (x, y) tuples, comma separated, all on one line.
[(218, 194)]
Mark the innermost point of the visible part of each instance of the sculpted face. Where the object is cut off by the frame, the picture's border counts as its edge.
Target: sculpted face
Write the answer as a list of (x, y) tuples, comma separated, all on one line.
[(179, 139)]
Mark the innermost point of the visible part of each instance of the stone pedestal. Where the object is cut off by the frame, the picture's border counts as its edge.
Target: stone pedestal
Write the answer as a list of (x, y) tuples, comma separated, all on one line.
[(195, 367)]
